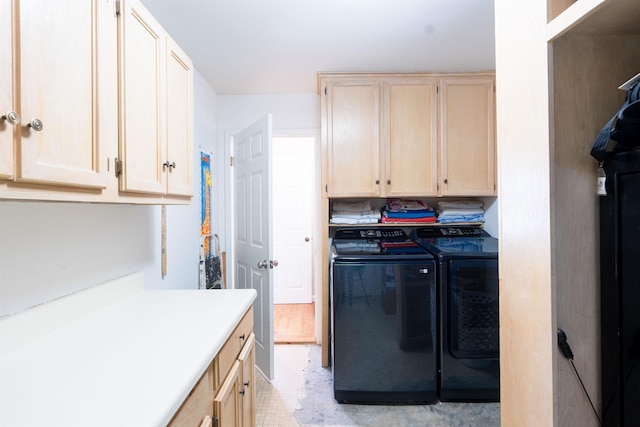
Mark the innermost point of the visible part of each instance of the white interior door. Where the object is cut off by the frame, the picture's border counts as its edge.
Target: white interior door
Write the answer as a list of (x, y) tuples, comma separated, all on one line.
[(293, 183), (252, 230)]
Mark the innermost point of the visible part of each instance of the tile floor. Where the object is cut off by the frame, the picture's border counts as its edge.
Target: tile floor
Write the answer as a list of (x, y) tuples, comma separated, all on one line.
[(301, 394)]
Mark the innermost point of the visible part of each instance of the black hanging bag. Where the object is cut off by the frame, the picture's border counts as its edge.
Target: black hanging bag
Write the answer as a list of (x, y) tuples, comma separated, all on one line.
[(624, 126)]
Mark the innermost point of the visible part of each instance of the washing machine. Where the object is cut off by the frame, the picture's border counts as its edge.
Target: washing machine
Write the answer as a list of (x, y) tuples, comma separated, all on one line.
[(383, 318), (467, 289)]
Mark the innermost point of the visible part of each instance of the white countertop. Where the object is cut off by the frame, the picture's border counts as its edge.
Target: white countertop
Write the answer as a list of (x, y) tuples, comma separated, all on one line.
[(131, 363)]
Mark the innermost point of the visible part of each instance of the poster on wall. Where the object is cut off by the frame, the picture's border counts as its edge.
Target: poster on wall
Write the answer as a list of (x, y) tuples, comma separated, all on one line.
[(210, 263)]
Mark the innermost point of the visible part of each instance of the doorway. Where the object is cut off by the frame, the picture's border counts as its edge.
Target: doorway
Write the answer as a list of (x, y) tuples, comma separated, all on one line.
[(294, 195)]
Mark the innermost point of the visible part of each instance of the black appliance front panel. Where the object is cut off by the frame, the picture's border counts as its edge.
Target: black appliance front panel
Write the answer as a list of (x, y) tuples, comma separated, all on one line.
[(469, 322), (620, 291), (384, 335)]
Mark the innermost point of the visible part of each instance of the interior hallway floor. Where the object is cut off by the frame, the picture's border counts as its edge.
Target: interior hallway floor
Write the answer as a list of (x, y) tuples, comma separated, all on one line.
[(301, 394)]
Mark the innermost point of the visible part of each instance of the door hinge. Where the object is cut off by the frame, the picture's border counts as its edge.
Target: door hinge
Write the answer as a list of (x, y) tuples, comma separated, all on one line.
[(117, 6), (118, 166), (232, 161)]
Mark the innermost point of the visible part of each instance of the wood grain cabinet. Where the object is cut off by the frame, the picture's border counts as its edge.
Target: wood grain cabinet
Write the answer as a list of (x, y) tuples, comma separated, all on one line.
[(50, 94), (467, 136), (156, 102), (225, 395), (409, 135)]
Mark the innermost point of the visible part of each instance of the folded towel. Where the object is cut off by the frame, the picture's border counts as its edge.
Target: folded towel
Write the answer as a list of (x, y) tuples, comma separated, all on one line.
[(352, 206), (460, 204), (343, 220), (448, 219), (460, 212), (363, 214)]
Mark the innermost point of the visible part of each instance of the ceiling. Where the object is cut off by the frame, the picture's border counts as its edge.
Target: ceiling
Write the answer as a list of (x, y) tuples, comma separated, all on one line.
[(278, 46)]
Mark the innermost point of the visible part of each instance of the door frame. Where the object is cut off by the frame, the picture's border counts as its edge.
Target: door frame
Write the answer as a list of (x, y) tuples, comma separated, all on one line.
[(316, 233)]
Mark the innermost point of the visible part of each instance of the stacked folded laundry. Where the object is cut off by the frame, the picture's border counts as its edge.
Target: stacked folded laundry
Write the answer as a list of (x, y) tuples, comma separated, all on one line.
[(398, 211), (460, 211), (353, 212)]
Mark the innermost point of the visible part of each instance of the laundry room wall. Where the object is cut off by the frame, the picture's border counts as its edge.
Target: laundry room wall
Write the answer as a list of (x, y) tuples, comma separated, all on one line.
[(49, 250)]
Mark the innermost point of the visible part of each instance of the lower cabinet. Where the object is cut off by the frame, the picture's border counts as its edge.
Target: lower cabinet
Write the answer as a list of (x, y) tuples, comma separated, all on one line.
[(225, 395), (234, 404)]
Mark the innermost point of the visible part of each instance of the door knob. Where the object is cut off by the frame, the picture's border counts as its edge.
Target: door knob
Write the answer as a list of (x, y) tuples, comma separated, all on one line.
[(263, 264), (273, 263), (306, 239), (12, 117)]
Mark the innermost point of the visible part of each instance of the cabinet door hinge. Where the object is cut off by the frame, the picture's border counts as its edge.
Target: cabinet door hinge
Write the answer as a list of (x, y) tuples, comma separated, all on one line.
[(232, 161), (117, 7), (325, 90), (118, 166), (326, 188), (215, 421)]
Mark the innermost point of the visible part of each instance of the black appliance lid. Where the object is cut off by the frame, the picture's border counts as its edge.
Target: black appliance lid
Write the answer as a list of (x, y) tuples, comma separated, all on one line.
[(432, 232), (388, 242), (457, 242)]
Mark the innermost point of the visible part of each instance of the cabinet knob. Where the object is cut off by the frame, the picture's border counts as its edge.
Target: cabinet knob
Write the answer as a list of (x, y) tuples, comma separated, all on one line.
[(388, 182), (35, 124), (246, 384), (12, 117), (446, 181), (171, 165), (377, 181)]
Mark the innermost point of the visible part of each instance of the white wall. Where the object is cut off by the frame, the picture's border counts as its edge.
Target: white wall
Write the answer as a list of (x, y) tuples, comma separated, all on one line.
[(289, 112), (48, 250)]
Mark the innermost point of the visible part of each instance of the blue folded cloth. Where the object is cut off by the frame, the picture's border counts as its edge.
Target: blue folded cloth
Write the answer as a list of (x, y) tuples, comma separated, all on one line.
[(426, 213)]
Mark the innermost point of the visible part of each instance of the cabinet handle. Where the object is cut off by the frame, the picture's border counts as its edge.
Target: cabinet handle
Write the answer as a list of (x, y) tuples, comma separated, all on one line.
[(388, 182), (171, 165), (12, 117), (35, 124), (242, 337), (241, 392), (246, 384)]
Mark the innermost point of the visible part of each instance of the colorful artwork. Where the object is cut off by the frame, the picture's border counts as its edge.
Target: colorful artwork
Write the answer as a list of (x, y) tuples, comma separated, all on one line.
[(210, 264), (205, 216)]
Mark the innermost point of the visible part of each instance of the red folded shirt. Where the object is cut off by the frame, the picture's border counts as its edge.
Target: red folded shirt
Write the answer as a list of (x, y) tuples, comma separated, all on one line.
[(388, 220)]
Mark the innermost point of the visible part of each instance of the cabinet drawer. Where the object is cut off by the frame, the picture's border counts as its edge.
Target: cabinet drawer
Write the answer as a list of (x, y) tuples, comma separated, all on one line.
[(198, 405), (231, 349)]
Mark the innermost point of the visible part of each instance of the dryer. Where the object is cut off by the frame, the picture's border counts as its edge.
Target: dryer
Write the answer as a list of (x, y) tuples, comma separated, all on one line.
[(467, 288)]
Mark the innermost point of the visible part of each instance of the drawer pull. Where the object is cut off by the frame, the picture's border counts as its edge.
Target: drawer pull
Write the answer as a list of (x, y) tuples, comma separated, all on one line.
[(242, 337)]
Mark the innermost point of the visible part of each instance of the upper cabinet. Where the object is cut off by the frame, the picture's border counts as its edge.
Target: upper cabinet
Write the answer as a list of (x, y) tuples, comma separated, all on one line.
[(50, 92), (156, 103), (409, 135), (352, 123), (96, 104), (8, 118), (467, 136)]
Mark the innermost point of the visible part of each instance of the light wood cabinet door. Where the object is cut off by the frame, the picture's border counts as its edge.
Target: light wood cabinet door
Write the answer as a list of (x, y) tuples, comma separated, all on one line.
[(179, 121), (7, 100), (247, 360), (142, 53), (353, 138), (409, 129), (226, 404), (57, 141), (467, 145)]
